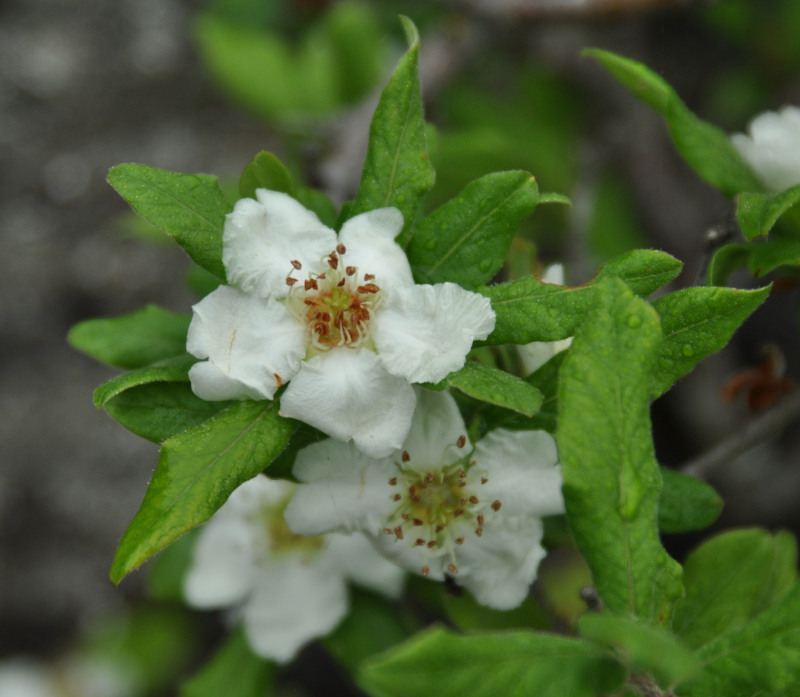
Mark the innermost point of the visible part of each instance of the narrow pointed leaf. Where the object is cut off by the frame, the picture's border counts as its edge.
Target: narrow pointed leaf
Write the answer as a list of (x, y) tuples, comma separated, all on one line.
[(169, 370), (197, 471), (439, 662), (704, 147), (467, 239), (191, 208), (686, 503), (697, 322), (612, 482), (496, 387), (731, 579), (159, 410), (529, 310), (135, 340), (397, 171), (762, 659)]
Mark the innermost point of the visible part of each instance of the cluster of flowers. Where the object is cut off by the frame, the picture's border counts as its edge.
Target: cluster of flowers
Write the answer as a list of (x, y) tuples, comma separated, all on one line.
[(398, 486)]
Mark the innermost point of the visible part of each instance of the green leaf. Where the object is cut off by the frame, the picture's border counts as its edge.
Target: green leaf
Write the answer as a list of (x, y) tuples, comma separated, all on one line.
[(762, 659), (686, 503), (467, 614), (191, 208), (757, 213), (529, 310), (159, 410), (397, 171), (265, 171), (197, 471), (496, 387), (731, 579), (319, 203), (704, 147), (466, 240), (640, 647), (697, 322), (439, 662), (135, 340), (726, 260), (169, 370), (372, 625), (612, 482), (768, 256), (234, 671)]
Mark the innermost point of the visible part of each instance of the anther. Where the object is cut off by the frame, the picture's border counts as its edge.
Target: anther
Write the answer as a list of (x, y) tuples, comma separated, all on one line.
[(396, 497), (369, 276), (480, 520), (496, 505), (311, 283), (462, 483), (462, 474), (484, 480), (430, 478), (462, 441), (393, 481), (419, 542), (459, 540), (405, 457), (452, 568), (439, 528), (458, 512), (416, 521), (290, 281), (473, 499), (425, 570), (278, 379), (368, 288), (333, 261), (405, 516), (387, 531), (479, 531), (350, 270), (431, 544), (398, 531), (340, 283), (341, 248), (297, 265)]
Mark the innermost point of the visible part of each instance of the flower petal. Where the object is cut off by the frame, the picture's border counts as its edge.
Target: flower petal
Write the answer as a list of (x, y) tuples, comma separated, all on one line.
[(295, 600), (435, 429), (424, 332), (499, 567), (222, 569), (362, 564), (771, 149), (262, 238), (344, 489), (369, 240), (252, 345), (523, 472), (347, 394)]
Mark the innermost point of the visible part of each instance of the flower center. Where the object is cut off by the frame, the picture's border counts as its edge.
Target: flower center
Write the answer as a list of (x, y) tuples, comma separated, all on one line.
[(439, 510), (335, 305)]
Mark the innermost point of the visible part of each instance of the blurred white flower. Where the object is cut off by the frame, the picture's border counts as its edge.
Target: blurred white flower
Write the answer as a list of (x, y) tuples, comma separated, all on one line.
[(773, 147), (71, 676), (339, 318), (440, 508), (535, 354), (287, 589)]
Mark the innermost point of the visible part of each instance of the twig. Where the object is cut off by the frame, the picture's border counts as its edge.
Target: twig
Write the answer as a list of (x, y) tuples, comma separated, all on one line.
[(757, 431)]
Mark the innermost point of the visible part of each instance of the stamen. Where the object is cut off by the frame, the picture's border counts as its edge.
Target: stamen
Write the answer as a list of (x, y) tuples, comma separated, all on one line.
[(369, 276), (419, 542), (417, 521), (297, 265), (341, 248), (452, 568), (462, 441), (484, 480), (396, 497), (479, 531), (387, 531), (459, 540), (290, 281), (496, 505), (311, 283), (425, 570), (480, 520), (350, 270), (398, 531), (405, 457), (473, 499), (431, 544), (393, 481)]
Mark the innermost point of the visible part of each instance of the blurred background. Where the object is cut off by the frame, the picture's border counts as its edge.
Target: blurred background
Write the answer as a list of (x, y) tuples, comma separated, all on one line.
[(197, 86)]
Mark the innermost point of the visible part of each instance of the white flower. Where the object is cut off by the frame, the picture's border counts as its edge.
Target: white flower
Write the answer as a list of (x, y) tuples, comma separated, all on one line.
[(773, 147), (287, 589), (339, 317), (74, 675), (535, 354), (440, 508)]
